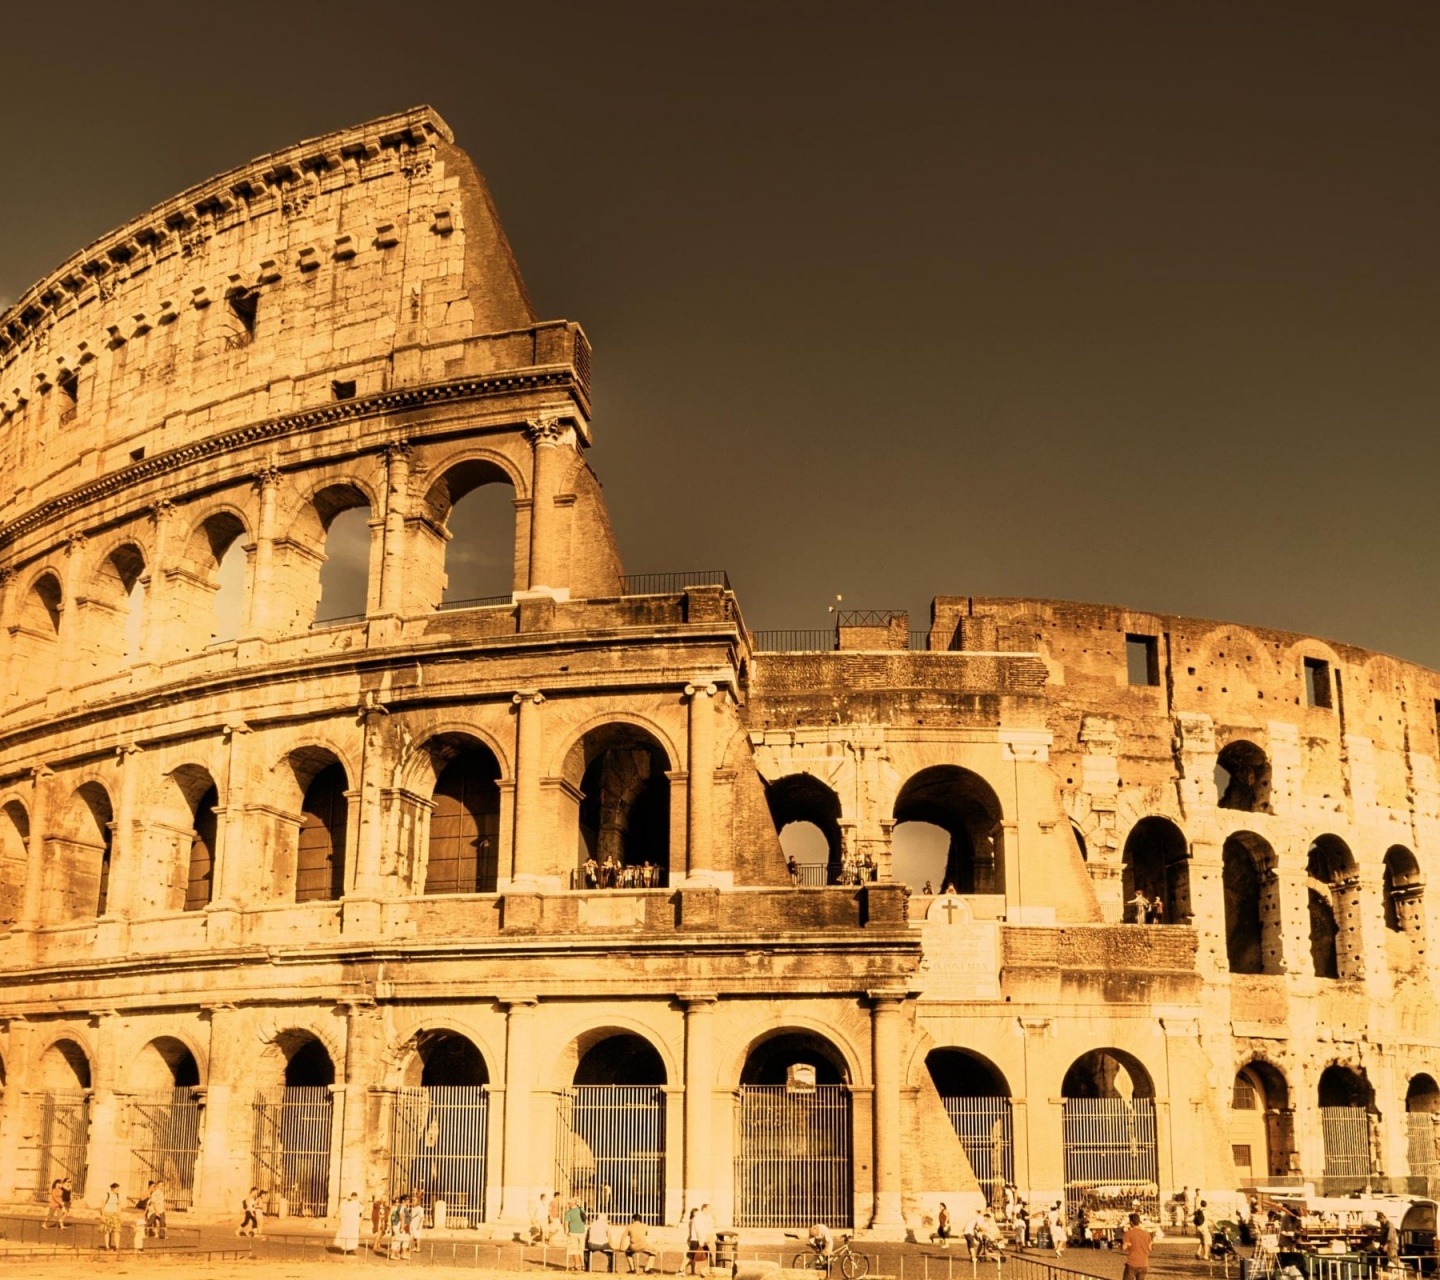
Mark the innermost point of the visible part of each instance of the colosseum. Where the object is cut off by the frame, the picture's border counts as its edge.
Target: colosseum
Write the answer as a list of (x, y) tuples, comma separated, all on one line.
[(326, 870)]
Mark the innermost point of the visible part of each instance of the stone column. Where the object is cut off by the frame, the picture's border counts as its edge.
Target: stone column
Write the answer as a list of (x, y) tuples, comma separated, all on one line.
[(8, 601), (12, 1116), (258, 617), (373, 771), (528, 861), (392, 555), (517, 1141), (222, 1172), (72, 643), (885, 1047), (107, 1157), (700, 794), (699, 1087), (228, 885), (35, 864), (126, 844), (157, 622), (364, 1041), (546, 436)]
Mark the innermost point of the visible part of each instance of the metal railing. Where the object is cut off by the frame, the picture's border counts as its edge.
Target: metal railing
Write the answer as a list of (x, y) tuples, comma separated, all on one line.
[(324, 624), (867, 617), (669, 584), (165, 1143), (475, 602), (438, 1138), (291, 1150), (1346, 1132), (1111, 1160), (919, 640), (610, 1149), (983, 1126), (805, 640), (792, 1157)]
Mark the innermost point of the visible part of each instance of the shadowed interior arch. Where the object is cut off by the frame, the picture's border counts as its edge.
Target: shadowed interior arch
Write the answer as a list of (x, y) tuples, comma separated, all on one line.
[(965, 806)]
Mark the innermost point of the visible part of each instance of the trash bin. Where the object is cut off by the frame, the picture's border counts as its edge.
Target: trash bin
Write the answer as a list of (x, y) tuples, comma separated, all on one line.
[(727, 1249)]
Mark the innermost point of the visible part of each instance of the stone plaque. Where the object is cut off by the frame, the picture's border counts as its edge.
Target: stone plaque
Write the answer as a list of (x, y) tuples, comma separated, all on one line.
[(962, 954), (612, 911)]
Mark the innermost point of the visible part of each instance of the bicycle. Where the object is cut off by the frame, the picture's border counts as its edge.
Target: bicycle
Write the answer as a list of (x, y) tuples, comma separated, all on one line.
[(853, 1266)]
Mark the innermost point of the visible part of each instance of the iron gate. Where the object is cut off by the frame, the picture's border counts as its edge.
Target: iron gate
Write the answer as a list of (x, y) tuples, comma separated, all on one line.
[(1110, 1156), (290, 1152), (792, 1157), (64, 1139), (984, 1129), (1346, 1131), (1424, 1151), (165, 1143), (438, 1146), (610, 1149)]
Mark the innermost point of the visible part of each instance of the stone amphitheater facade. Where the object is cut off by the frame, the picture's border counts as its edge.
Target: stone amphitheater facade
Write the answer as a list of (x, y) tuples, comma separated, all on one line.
[(305, 903)]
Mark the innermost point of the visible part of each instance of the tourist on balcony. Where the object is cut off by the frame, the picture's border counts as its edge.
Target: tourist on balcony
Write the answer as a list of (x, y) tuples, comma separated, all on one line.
[(793, 868), (590, 871), (609, 872), (1140, 905), (1157, 910)]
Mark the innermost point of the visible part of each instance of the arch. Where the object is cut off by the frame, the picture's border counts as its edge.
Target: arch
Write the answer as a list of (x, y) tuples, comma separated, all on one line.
[(322, 839), (34, 637), (473, 500), (308, 1064), (1404, 892), (163, 1064), (294, 1122), (42, 605), (14, 861), (963, 1073), (1155, 863), (1334, 905), (63, 1065), (1253, 935), (1345, 1086), (802, 800), (572, 755), (1349, 1124), (463, 848), (118, 590), (622, 818), (976, 1098), (794, 1132), (344, 511), (620, 1058), (77, 872), (1107, 1073), (439, 743), (965, 806), (446, 1059), (624, 1031), (1422, 1095), (1262, 1123), (1422, 1126), (1242, 778), (215, 553)]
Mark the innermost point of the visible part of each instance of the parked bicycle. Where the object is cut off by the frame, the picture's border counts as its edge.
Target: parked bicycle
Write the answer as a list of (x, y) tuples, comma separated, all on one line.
[(853, 1266)]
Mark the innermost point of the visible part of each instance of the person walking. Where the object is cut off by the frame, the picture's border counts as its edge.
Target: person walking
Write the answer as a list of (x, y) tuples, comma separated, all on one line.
[(249, 1214), (1055, 1224), (1136, 1243), (110, 1219), (156, 1210), (574, 1219), (347, 1237), (942, 1227), (55, 1207), (1203, 1230)]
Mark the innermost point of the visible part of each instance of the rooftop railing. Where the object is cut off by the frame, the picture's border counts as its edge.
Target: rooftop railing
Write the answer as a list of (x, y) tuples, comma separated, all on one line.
[(666, 584)]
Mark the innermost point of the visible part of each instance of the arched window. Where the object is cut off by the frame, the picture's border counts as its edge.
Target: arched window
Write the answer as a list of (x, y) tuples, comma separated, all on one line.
[(475, 504), (623, 815), (1350, 1128), (200, 876), (1242, 778), (320, 853), (976, 1098), (465, 826), (965, 807), (35, 640), (1253, 933), (806, 814), (14, 859), (1156, 865), (77, 871), (219, 558), (1404, 892), (116, 629), (1108, 1110), (345, 575), (1262, 1124), (1334, 898), (1422, 1123)]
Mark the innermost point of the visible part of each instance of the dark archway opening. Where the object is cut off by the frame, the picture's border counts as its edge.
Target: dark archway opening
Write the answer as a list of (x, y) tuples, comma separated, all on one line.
[(1262, 1124), (1404, 892), (624, 812), (1111, 1157), (309, 1067), (621, 1059), (1156, 866), (320, 855), (963, 805), (464, 846), (1253, 937), (976, 1099), (806, 814), (1334, 907)]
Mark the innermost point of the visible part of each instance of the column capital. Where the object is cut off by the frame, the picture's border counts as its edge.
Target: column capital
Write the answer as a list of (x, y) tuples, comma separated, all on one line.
[(268, 477), (700, 690), (512, 1002), (888, 1000), (398, 451), (160, 511), (74, 544), (549, 430), (698, 1001), (528, 695), (41, 773), (128, 749)]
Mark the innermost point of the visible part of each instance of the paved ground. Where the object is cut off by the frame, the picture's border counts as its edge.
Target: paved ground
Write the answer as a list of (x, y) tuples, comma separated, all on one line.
[(302, 1251)]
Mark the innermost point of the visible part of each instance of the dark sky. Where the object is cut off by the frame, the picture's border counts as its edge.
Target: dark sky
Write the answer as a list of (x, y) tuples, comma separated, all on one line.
[(1132, 303)]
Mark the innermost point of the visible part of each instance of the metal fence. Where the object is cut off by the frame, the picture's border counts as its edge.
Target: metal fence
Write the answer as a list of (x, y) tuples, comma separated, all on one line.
[(475, 602), (610, 1149), (1110, 1156), (792, 1157), (1424, 1150), (669, 584), (165, 1143), (983, 1126), (806, 640), (1346, 1132), (291, 1149), (438, 1145), (64, 1139)]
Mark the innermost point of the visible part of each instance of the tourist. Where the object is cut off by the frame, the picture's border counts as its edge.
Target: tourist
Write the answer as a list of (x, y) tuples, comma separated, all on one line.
[(1202, 1229), (591, 871), (597, 1240), (1022, 1224), (822, 1239), (155, 1211), (400, 1228), (417, 1220), (574, 1236), (942, 1227), (250, 1214), (55, 1210), (1157, 910), (928, 890), (1140, 904), (347, 1237), (555, 1219), (1055, 1224), (1136, 1244), (110, 1219), (635, 1242), (793, 868)]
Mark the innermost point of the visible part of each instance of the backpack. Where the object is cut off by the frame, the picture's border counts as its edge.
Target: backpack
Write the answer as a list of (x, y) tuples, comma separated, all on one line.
[(1199, 1218)]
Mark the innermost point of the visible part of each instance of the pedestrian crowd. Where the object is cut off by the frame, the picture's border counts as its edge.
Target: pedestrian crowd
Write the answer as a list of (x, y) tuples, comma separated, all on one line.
[(614, 874), (989, 1231)]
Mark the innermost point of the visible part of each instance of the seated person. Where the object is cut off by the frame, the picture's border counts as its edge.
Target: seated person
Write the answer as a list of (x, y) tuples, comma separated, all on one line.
[(635, 1243), (597, 1240)]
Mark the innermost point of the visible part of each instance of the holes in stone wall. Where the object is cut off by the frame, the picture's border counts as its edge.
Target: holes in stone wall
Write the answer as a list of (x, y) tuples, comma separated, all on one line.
[(1334, 908), (1253, 930)]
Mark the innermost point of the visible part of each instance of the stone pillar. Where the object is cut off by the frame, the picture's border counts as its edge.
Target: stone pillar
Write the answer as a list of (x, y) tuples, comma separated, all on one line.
[(529, 860), (699, 1092), (222, 1171), (156, 625), (373, 771), (107, 1157), (127, 844), (392, 555), (35, 863), (12, 1115), (518, 1176), (364, 1041), (72, 643), (546, 436), (700, 793), (258, 617), (228, 886), (885, 1048)]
